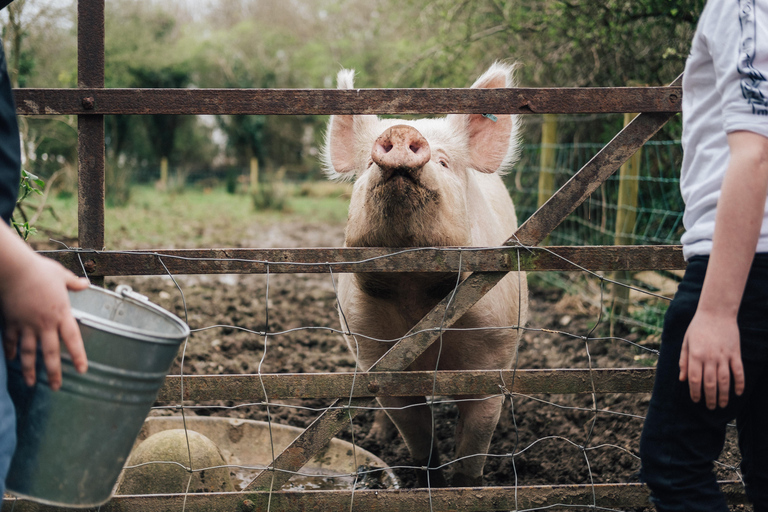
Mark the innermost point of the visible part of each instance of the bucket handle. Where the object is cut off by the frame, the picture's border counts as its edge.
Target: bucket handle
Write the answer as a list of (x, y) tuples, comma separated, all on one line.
[(126, 291)]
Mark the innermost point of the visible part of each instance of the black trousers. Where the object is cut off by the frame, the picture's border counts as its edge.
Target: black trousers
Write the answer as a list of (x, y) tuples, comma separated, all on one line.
[(681, 439)]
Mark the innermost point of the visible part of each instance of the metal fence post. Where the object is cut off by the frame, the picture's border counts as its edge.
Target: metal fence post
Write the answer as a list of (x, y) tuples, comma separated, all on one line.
[(90, 128)]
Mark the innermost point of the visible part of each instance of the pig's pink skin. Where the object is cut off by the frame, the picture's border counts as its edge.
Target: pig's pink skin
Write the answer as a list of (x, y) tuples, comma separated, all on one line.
[(430, 182)]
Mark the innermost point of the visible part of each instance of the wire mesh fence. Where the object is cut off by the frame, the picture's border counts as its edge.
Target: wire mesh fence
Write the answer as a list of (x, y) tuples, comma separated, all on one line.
[(256, 315), (262, 325), (658, 214), (659, 209)]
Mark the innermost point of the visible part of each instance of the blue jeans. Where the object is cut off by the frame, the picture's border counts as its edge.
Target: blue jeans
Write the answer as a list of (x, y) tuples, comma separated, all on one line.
[(7, 422), (681, 439)]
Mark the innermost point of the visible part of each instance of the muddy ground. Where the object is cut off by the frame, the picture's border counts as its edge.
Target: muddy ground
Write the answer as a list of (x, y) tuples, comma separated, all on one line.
[(546, 433)]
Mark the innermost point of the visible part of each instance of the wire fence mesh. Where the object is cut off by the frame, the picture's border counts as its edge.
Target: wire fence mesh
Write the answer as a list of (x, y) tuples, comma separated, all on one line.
[(658, 212), (261, 325), (545, 439), (659, 209)]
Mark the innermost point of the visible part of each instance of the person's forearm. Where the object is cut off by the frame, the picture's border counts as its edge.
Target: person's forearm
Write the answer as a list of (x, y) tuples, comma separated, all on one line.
[(12, 253), (737, 224)]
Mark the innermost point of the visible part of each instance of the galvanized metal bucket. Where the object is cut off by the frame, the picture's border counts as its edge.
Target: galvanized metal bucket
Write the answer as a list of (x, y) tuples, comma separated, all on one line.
[(72, 443)]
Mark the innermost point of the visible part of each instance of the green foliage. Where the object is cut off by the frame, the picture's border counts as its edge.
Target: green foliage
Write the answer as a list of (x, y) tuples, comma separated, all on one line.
[(245, 137), (659, 205), (650, 318), (117, 183), (269, 196), (300, 44), (230, 185), (557, 44), (29, 184)]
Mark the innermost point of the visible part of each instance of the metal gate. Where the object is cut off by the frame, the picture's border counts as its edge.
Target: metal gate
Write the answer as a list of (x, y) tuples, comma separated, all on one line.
[(91, 101)]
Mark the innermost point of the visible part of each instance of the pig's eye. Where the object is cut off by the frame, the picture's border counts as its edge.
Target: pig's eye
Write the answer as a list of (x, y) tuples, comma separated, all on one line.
[(370, 163), (444, 163)]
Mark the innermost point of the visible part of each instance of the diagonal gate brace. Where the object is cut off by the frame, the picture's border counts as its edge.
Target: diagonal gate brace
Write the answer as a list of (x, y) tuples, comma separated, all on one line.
[(470, 290)]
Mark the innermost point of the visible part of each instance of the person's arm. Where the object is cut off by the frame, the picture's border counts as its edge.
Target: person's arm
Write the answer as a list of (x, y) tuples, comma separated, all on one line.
[(711, 348), (35, 306)]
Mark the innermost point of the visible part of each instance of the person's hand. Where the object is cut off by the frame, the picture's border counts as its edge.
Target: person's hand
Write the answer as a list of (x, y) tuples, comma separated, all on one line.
[(711, 353), (35, 306)]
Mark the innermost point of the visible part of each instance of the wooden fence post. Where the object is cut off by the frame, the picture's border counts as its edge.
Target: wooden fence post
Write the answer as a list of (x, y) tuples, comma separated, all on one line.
[(164, 173), (254, 175), (626, 217), (548, 157)]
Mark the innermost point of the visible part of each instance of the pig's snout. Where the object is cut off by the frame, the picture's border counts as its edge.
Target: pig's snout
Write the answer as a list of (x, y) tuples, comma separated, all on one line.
[(401, 148)]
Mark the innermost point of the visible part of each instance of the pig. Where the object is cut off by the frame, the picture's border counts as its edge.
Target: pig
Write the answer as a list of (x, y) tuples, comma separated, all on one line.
[(431, 182)]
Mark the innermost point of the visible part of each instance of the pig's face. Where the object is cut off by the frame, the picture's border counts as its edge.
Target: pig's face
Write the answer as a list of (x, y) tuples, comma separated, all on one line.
[(415, 180)]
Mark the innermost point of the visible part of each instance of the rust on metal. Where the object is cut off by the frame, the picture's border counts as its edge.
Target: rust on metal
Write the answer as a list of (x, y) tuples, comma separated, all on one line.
[(470, 499), (90, 129), (90, 186), (377, 259), (334, 101), (90, 49), (316, 436), (90, 266), (281, 386)]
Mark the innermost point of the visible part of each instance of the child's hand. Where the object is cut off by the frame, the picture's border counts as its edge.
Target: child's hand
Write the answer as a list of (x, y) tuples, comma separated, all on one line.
[(710, 356), (35, 305)]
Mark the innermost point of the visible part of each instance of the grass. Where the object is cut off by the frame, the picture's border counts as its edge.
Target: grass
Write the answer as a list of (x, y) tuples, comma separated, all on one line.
[(154, 219)]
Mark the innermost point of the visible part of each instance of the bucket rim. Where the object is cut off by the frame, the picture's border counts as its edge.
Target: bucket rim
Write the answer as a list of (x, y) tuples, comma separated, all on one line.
[(56, 503), (113, 327)]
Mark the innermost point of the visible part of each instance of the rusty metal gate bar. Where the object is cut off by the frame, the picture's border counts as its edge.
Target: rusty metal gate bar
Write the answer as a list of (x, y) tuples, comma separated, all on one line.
[(282, 386), (370, 259), (358, 101)]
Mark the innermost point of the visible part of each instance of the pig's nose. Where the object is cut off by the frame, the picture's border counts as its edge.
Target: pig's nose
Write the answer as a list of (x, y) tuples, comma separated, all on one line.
[(401, 147)]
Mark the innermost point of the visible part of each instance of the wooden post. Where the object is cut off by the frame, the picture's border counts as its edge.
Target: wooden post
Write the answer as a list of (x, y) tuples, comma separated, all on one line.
[(254, 175), (548, 158), (626, 208), (164, 173), (626, 216)]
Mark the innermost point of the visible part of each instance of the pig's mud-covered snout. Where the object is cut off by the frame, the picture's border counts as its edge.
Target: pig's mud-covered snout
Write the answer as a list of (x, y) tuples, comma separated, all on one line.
[(398, 188), (401, 151)]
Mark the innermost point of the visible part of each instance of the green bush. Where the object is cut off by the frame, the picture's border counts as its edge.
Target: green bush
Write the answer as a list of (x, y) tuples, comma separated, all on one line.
[(270, 195)]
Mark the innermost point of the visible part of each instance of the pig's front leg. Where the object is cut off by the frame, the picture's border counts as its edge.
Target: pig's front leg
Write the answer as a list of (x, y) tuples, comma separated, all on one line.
[(477, 421), (413, 419)]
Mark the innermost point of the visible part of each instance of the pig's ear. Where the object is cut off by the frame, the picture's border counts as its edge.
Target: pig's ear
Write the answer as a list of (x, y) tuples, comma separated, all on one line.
[(492, 138), (342, 152)]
